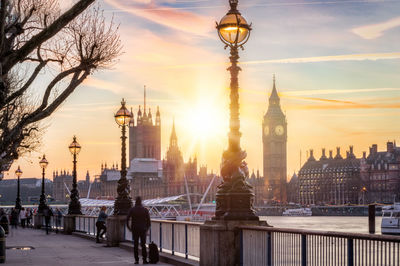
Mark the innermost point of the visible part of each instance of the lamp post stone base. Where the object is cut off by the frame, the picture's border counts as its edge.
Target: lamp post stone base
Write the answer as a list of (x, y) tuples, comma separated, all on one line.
[(69, 224), (220, 242), (115, 230), (37, 221)]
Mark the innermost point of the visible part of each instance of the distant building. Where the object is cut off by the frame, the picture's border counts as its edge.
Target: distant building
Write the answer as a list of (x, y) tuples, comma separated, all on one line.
[(173, 167), (274, 134), (145, 135), (62, 185), (258, 184), (109, 181), (380, 174), (330, 180), (293, 189), (337, 180), (146, 176), (30, 188)]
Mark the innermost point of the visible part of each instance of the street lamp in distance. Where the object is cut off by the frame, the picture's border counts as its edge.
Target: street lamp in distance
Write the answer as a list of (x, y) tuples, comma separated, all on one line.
[(123, 202), (74, 206), (18, 205), (42, 202)]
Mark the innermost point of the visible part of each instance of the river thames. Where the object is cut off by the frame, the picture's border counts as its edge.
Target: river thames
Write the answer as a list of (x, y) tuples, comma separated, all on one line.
[(357, 224)]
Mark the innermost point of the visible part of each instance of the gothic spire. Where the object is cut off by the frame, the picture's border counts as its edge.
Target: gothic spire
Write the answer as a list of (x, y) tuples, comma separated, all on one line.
[(144, 94), (274, 98), (158, 117), (173, 141)]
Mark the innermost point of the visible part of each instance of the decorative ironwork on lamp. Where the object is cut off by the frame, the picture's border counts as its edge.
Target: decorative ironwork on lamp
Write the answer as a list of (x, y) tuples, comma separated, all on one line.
[(123, 202), (74, 206), (18, 205), (234, 199), (42, 202)]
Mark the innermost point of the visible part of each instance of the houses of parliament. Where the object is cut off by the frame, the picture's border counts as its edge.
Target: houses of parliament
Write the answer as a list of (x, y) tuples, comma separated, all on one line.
[(153, 177)]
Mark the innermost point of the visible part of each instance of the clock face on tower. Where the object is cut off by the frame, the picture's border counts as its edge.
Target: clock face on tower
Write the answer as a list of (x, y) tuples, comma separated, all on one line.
[(266, 130), (279, 130)]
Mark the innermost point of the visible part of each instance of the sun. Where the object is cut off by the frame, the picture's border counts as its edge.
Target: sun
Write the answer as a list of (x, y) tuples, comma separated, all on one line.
[(205, 120)]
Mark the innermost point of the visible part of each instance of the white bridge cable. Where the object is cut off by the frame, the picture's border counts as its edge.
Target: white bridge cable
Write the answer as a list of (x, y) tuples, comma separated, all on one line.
[(205, 195), (188, 196)]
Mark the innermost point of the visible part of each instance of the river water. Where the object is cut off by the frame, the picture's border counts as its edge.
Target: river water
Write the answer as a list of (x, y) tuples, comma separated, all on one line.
[(324, 223)]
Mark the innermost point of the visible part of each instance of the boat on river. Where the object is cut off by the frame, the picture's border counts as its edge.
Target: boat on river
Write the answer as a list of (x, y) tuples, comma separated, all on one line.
[(391, 219), (297, 212)]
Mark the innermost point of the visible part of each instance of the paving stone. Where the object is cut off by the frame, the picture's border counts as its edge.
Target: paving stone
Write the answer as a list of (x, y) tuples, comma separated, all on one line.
[(59, 250)]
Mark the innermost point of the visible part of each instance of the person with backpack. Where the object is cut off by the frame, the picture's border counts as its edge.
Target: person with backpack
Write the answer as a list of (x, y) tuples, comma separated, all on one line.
[(47, 213), (138, 221)]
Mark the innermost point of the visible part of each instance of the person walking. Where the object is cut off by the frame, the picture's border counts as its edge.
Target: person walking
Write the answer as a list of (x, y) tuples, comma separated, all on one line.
[(29, 215), (101, 224), (58, 218), (14, 218), (22, 217), (4, 221), (47, 213), (138, 221)]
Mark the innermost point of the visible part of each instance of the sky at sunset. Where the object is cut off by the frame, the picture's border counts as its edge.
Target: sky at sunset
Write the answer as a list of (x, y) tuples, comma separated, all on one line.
[(337, 67)]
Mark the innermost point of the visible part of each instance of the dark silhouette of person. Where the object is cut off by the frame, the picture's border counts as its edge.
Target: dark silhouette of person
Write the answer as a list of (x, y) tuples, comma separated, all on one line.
[(4, 221), (47, 213), (14, 218), (138, 221), (101, 224)]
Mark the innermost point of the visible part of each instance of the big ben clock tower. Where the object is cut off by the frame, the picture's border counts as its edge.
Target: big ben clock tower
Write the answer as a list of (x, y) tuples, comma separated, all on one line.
[(274, 132)]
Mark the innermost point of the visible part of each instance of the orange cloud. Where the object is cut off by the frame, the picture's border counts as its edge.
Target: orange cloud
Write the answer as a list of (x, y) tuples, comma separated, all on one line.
[(344, 106), (347, 57), (173, 18), (321, 99)]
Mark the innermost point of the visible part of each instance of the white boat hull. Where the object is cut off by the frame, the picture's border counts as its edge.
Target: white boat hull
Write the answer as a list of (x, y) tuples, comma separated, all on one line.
[(391, 220), (390, 231)]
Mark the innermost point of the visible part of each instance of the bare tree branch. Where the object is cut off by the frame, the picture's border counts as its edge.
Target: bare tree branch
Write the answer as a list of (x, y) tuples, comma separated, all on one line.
[(36, 37), (45, 34)]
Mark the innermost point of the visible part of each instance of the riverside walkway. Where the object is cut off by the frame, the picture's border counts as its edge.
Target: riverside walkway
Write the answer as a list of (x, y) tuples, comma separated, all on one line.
[(62, 250)]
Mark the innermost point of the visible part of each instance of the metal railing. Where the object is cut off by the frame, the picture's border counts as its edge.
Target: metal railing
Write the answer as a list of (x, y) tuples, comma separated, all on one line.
[(177, 238), (55, 224), (174, 237), (261, 245), (86, 224), (277, 246)]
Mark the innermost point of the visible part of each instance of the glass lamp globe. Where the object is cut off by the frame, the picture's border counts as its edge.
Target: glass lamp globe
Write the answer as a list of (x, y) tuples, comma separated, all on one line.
[(233, 28), (43, 162), (74, 147), (123, 115), (18, 172)]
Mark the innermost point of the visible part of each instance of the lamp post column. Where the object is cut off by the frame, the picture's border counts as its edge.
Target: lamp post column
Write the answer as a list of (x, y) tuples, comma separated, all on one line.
[(123, 201), (235, 197), (42, 201), (74, 204), (18, 205)]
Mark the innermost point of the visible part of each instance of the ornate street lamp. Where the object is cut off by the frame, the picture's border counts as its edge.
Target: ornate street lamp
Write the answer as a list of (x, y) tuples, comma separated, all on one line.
[(123, 201), (74, 206), (42, 203), (364, 190), (18, 205), (234, 196)]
